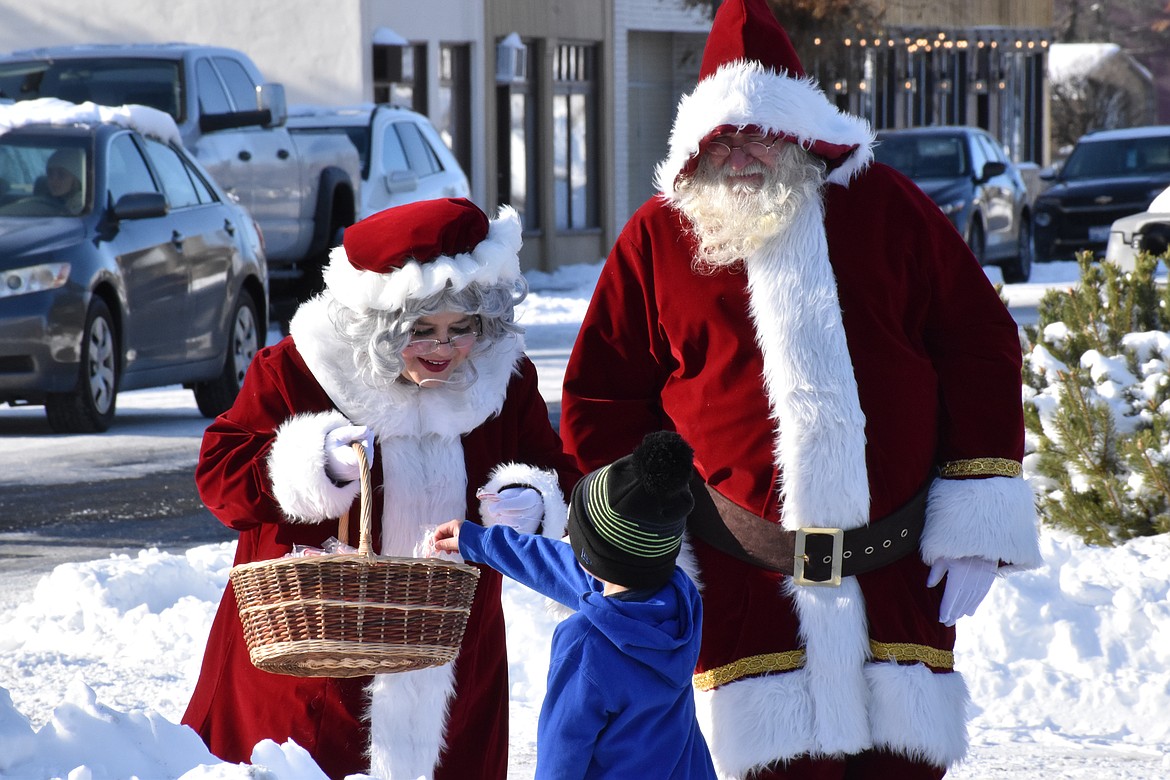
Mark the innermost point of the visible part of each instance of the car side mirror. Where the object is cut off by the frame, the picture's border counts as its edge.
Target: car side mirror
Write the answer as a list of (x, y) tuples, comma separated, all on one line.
[(140, 205), (270, 98), (992, 169), (401, 181)]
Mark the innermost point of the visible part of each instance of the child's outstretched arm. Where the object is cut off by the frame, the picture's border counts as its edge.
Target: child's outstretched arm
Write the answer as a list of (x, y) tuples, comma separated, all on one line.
[(545, 565)]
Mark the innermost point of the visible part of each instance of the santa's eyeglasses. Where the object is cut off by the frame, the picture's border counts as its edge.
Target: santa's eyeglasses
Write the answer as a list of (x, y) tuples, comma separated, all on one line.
[(758, 149)]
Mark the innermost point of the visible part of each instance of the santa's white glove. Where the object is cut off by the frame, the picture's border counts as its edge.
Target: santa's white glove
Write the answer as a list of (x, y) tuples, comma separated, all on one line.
[(341, 462), (521, 508), (968, 581)]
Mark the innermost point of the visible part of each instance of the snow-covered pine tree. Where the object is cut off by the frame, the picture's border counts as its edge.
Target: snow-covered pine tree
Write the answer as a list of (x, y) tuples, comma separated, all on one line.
[(1097, 403)]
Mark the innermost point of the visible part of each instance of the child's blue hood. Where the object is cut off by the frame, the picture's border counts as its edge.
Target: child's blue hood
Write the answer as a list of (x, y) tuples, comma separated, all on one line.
[(651, 632)]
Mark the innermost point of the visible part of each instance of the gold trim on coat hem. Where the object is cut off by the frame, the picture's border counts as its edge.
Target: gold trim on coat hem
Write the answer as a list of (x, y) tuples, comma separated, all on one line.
[(748, 667), (898, 652), (981, 467), (904, 652)]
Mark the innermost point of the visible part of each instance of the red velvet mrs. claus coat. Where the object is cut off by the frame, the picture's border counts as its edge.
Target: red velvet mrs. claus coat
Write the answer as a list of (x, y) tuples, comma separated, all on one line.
[(820, 385), (261, 471)]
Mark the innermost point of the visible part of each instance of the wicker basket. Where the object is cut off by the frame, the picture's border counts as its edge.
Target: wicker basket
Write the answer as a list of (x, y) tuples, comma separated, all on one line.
[(348, 615)]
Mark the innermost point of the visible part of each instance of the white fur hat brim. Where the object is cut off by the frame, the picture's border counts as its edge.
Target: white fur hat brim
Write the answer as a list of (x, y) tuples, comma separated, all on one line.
[(493, 261)]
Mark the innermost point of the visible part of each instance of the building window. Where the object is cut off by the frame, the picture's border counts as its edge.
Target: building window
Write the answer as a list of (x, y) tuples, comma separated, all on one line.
[(518, 141), (453, 118), (400, 75), (575, 136)]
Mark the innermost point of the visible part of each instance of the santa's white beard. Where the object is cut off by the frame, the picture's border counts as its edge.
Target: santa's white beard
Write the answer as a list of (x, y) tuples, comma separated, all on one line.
[(732, 219)]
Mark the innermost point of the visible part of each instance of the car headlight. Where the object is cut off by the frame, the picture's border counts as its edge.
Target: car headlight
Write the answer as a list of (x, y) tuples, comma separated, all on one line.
[(34, 278), (952, 207)]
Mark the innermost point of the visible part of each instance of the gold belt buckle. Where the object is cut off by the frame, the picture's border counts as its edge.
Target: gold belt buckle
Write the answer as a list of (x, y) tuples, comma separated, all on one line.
[(800, 557)]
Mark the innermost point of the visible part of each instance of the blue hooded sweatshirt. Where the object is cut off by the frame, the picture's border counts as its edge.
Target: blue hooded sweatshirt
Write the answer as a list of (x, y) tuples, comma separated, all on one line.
[(619, 703)]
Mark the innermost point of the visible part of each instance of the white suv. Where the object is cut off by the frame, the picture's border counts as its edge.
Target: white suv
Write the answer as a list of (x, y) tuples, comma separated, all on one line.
[(402, 155)]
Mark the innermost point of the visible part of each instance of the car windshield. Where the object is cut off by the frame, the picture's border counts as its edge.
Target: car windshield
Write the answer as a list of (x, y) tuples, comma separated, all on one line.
[(106, 81), (43, 176), (1118, 157), (924, 157)]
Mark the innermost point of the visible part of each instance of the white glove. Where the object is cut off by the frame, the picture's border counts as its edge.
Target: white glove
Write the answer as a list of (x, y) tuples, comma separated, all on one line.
[(341, 462), (968, 581), (521, 508)]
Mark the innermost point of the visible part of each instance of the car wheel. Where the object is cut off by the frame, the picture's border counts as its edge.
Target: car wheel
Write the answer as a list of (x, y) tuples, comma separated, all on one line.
[(975, 240), (90, 406), (1018, 269), (217, 396)]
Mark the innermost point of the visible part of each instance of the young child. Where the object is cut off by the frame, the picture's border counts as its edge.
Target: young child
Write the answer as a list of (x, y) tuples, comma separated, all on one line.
[(619, 702)]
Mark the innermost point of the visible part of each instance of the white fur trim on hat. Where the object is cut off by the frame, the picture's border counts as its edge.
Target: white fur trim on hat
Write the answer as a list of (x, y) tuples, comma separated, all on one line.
[(746, 93), (495, 260)]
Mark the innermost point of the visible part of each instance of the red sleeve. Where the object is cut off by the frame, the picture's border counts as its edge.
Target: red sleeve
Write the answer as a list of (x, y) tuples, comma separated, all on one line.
[(231, 473), (539, 443), (614, 378)]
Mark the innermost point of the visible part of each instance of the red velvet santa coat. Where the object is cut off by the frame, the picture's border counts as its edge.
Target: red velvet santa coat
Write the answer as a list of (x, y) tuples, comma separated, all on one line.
[(261, 471), (819, 386)]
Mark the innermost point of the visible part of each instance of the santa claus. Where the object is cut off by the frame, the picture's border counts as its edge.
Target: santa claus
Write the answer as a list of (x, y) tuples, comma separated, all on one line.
[(412, 349), (850, 381)]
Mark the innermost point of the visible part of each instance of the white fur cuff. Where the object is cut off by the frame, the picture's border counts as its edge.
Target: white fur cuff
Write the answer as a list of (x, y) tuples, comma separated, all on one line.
[(556, 511), (993, 518), (296, 466)]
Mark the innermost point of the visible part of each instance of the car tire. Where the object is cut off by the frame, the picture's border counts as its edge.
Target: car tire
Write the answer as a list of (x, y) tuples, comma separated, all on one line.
[(1018, 269), (244, 340), (90, 406), (975, 240)]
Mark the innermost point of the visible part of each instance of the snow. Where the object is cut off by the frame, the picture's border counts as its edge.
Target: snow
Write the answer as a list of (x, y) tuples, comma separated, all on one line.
[(53, 111), (1068, 665)]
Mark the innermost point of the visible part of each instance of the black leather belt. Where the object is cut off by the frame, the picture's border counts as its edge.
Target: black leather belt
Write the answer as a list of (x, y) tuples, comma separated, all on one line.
[(811, 556)]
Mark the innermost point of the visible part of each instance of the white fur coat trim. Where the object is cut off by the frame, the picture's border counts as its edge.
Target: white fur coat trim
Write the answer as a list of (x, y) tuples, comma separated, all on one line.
[(993, 518), (820, 451), (747, 93), (296, 467), (408, 711), (495, 259), (403, 409), (756, 721), (546, 483), (917, 713)]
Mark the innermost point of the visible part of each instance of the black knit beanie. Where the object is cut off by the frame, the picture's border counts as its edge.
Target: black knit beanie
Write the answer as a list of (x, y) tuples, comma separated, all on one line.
[(626, 520)]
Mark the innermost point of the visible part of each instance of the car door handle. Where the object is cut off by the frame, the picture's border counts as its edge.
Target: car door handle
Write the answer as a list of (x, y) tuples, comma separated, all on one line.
[(245, 155), (229, 227), (283, 154)]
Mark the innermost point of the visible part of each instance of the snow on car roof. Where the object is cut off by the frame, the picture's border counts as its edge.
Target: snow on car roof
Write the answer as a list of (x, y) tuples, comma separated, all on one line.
[(54, 111)]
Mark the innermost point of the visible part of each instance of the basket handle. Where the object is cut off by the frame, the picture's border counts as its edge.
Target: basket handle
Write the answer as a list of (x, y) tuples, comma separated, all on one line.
[(365, 526)]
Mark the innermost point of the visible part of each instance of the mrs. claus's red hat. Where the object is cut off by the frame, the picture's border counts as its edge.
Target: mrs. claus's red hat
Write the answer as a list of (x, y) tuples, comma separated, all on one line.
[(416, 250)]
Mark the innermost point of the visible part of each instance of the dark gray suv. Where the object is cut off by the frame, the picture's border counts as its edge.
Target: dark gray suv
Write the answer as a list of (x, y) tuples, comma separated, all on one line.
[(1110, 174), (965, 171), (136, 271)]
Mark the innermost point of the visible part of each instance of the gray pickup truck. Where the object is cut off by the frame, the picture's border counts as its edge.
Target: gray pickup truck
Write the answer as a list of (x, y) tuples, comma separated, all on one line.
[(302, 189)]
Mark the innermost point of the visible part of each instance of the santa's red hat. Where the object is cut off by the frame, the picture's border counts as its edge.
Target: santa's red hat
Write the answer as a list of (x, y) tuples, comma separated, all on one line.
[(748, 31), (416, 250), (751, 78)]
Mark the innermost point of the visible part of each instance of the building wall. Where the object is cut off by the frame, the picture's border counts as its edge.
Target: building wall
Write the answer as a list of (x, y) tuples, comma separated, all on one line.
[(967, 13), (462, 22), (658, 47), (545, 24)]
